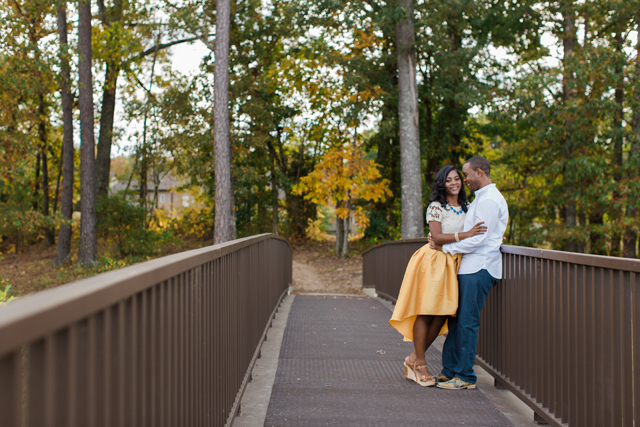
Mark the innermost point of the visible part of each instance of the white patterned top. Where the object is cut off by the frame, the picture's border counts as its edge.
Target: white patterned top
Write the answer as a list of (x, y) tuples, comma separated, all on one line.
[(450, 221)]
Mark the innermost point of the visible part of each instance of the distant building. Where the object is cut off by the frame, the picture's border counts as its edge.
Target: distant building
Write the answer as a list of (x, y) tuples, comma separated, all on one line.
[(169, 195)]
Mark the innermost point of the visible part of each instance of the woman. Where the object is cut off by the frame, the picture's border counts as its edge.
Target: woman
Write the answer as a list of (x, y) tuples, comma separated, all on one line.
[(429, 291)]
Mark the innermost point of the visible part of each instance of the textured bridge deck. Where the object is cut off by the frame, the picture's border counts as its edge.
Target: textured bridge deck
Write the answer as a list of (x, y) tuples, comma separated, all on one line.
[(341, 365)]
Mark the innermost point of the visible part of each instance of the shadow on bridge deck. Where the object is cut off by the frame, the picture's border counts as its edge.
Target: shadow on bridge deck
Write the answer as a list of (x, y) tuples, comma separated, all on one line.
[(340, 364)]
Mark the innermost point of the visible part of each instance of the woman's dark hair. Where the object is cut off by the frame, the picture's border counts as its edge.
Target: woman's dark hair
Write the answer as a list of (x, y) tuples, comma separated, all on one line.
[(438, 192)]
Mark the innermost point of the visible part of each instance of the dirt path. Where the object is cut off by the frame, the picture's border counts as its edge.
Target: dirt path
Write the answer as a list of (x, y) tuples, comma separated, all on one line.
[(316, 269)]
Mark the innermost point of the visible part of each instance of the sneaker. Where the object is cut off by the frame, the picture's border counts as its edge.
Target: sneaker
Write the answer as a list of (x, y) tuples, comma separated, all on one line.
[(456, 384), (441, 378)]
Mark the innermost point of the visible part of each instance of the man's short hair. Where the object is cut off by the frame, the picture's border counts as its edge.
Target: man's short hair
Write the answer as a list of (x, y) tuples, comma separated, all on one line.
[(479, 162)]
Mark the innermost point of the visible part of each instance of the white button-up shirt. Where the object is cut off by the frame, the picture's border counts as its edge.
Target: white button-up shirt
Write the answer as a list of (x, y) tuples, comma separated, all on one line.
[(482, 251)]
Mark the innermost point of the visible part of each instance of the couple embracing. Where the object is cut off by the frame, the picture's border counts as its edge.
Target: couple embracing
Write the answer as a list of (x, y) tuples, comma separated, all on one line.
[(447, 281)]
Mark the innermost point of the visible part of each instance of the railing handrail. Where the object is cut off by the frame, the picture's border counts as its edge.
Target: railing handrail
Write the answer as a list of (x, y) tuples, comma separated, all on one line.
[(396, 242), (617, 263), (34, 316)]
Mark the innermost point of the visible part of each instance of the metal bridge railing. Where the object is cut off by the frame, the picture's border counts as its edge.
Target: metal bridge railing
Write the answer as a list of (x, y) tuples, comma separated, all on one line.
[(561, 330), (169, 342)]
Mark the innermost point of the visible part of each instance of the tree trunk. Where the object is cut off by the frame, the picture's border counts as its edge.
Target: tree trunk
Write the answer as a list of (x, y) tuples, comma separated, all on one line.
[(66, 207), (56, 195), (144, 172), (105, 137), (432, 159), (412, 223), (107, 112), (274, 190), (87, 254), (125, 193), (427, 101), (619, 98), (274, 207), (155, 194), (345, 232), (234, 230), (144, 151), (221, 145), (42, 135), (630, 236), (568, 41), (36, 187), (596, 236), (339, 232), (618, 140)]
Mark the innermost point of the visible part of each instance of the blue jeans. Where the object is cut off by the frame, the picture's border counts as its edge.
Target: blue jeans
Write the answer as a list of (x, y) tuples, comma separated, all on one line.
[(460, 347)]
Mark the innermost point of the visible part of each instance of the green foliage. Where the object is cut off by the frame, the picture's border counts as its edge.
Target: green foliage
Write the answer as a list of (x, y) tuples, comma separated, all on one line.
[(308, 76), (379, 229), (559, 133), (22, 228), (124, 224), (116, 213), (193, 222), (5, 295), (145, 243)]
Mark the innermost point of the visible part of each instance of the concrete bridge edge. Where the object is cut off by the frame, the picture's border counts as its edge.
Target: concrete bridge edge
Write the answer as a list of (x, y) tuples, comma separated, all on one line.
[(255, 402)]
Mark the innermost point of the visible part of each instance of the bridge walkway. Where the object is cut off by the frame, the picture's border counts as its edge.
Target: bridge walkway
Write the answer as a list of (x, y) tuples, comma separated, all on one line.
[(340, 364)]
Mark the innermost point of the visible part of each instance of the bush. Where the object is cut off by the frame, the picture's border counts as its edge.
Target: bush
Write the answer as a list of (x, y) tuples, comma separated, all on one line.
[(145, 243), (194, 222), (25, 227), (124, 223), (117, 214)]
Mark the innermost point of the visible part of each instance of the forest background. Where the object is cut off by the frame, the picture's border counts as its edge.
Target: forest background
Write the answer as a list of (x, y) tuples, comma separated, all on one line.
[(549, 92)]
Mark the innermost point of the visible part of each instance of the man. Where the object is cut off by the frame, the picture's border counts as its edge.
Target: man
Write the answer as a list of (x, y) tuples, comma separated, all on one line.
[(480, 269)]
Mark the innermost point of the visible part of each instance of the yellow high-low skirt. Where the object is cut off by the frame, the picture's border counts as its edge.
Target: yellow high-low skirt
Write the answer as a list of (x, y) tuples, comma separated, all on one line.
[(430, 286)]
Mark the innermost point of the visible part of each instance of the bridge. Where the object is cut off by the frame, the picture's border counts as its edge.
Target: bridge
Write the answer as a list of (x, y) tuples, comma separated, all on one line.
[(179, 341)]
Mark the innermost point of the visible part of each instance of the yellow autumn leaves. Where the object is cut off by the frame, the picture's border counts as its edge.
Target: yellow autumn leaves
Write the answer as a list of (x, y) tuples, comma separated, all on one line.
[(342, 178)]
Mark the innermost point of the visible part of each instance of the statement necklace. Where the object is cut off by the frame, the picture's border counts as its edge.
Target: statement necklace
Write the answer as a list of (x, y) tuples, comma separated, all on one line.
[(454, 209)]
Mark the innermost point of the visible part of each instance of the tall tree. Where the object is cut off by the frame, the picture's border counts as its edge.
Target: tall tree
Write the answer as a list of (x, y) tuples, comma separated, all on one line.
[(44, 149), (87, 254), (412, 222), (630, 235), (42, 119), (28, 81), (568, 90), (66, 207), (451, 46), (617, 163), (223, 228), (144, 149), (120, 48), (111, 18)]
